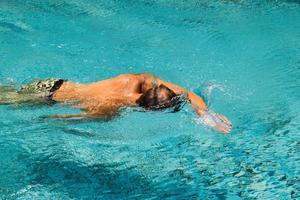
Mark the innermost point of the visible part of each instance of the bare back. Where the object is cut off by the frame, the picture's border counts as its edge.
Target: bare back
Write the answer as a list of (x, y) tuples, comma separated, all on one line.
[(104, 97)]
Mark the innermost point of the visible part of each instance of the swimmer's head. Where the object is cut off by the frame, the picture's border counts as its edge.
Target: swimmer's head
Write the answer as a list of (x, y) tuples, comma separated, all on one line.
[(161, 97)]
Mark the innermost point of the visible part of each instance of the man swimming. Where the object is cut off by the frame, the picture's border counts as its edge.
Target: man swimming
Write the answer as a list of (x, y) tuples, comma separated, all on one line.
[(105, 98)]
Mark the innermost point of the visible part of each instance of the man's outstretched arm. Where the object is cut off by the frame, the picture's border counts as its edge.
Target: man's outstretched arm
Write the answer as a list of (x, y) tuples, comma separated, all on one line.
[(197, 102), (208, 117)]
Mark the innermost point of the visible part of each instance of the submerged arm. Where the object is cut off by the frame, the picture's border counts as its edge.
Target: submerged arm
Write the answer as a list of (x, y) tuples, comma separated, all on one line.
[(66, 116), (79, 115)]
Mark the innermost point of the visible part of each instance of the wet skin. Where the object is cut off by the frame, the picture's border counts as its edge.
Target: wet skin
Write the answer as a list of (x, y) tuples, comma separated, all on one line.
[(104, 99)]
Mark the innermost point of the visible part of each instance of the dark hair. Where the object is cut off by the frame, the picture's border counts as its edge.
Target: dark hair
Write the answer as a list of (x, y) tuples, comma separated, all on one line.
[(160, 97)]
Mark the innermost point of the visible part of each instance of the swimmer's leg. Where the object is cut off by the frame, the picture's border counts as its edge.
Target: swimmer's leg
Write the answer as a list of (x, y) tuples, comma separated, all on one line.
[(9, 96), (7, 88)]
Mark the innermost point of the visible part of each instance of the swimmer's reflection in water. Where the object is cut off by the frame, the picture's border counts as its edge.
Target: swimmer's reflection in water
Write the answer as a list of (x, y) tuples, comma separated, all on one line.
[(105, 98)]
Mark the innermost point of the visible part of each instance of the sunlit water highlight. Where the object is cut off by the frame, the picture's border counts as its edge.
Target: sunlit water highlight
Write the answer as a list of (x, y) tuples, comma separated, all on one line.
[(244, 56)]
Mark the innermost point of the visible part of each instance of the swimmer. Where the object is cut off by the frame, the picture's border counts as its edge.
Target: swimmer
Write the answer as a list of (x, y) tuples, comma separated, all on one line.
[(105, 98)]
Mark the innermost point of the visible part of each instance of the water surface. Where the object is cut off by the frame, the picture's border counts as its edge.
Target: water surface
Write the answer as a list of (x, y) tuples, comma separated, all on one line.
[(246, 54)]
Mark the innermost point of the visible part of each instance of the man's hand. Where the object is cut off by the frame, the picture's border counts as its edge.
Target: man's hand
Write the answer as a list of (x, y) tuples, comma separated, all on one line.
[(216, 121)]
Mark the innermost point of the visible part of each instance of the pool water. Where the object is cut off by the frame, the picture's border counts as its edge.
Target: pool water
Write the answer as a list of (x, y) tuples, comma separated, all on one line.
[(245, 55)]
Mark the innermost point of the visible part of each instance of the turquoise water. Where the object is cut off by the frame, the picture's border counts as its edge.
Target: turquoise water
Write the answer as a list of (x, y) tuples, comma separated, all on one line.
[(244, 55)]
